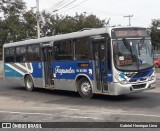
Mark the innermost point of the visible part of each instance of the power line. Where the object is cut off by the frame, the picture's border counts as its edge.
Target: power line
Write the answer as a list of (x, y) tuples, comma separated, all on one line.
[(74, 6), (67, 4), (58, 6), (49, 2)]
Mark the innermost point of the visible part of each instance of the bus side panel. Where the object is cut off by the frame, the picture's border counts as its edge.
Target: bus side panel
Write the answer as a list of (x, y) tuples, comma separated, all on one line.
[(16, 71), (37, 74), (11, 74), (65, 73)]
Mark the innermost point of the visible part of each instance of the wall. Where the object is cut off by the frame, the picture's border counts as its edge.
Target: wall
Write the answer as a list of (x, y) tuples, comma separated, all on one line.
[(1, 67)]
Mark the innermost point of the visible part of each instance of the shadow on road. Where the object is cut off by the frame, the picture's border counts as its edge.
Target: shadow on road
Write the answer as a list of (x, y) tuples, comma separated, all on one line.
[(136, 100)]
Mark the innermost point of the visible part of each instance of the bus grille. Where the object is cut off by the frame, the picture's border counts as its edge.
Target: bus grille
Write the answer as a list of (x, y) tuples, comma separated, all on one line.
[(135, 80), (139, 86)]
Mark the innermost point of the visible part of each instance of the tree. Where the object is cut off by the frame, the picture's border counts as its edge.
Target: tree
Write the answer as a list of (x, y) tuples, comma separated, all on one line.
[(30, 30), (13, 21), (57, 24), (155, 33), (18, 24)]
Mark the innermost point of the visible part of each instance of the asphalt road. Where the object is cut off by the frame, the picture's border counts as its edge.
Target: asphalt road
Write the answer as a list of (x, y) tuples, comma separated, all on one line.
[(19, 105)]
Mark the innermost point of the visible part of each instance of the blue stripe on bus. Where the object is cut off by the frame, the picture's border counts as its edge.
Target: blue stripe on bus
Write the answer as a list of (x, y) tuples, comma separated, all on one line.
[(62, 70), (37, 70), (142, 75), (9, 72)]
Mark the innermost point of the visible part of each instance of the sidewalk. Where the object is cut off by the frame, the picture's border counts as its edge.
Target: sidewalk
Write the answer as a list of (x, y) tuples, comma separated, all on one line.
[(158, 76)]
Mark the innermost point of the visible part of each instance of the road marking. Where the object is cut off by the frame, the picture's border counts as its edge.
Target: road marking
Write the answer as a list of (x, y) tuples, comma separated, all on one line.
[(81, 117), (132, 114), (29, 113), (25, 113), (59, 108)]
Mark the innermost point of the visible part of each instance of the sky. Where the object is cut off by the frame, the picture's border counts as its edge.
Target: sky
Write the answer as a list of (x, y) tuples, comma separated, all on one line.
[(143, 11)]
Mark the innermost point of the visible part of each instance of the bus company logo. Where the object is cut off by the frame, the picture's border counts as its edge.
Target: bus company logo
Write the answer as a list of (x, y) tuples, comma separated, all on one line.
[(6, 125), (64, 71)]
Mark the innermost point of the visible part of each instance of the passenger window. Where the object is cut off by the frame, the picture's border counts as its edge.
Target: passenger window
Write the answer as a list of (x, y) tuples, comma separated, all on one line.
[(82, 49), (10, 54), (63, 50), (33, 53), (21, 54)]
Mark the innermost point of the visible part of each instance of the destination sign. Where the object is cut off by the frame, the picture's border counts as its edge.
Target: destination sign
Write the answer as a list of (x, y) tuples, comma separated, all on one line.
[(124, 33)]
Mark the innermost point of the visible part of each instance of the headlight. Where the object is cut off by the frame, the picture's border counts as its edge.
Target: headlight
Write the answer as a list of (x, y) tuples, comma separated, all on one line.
[(121, 80), (151, 78)]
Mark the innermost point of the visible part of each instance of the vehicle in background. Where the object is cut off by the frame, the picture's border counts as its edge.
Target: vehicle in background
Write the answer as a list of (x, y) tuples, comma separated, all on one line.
[(157, 62)]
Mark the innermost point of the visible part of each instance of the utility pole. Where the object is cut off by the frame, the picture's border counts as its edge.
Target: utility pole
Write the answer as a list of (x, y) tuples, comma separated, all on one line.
[(129, 17), (37, 16)]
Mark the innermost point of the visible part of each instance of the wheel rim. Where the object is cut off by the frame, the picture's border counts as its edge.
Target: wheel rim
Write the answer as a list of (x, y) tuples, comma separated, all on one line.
[(86, 88), (29, 83)]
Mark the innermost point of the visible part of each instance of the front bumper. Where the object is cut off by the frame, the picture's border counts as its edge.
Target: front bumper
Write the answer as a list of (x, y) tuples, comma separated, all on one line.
[(119, 89)]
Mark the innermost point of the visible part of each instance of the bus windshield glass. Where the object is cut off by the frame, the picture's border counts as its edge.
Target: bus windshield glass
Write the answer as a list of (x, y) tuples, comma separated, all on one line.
[(132, 54)]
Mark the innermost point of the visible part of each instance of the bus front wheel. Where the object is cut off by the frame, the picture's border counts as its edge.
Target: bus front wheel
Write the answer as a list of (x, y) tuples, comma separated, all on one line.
[(85, 88), (29, 83)]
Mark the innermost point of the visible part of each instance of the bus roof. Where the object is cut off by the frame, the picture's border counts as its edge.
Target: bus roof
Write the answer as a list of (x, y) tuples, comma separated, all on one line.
[(78, 34)]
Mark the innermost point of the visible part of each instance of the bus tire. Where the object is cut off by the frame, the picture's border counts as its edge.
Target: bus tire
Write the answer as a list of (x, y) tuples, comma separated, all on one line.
[(29, 83), (85, 88)]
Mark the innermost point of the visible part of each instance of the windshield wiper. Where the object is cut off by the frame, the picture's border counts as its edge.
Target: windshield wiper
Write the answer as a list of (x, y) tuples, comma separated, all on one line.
[(134, 56), (127, 45), (140, 45)]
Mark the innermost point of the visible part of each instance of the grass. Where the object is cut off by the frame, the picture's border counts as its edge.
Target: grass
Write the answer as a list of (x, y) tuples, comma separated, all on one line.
[(157, 70)]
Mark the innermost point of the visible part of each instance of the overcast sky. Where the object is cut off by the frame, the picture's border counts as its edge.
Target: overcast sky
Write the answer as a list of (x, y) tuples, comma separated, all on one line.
[(143, 11)]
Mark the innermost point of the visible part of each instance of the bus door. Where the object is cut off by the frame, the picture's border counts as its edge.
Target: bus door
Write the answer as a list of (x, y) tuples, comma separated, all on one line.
[(48, 66), (99, 55)]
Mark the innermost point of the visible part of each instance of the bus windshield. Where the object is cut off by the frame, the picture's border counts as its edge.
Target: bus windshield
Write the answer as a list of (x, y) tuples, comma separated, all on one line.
[(132, 54)]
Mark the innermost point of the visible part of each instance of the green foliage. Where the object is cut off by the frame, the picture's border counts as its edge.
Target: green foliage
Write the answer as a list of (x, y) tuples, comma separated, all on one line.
[(57, 24), (18, 24), (155, 33)]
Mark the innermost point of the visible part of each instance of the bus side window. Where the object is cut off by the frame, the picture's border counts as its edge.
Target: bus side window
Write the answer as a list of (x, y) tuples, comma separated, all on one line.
[(63, 50), (21, 54), (10, 54), (6, 55), (82, 49), (33, 53)]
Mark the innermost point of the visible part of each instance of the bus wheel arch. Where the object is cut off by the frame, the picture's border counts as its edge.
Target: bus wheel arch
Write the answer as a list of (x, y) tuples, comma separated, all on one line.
[(29, 84), (84, 87)]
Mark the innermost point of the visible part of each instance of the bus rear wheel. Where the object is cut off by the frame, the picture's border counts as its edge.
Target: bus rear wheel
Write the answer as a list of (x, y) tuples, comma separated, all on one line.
[(29, 83), (85, 88)]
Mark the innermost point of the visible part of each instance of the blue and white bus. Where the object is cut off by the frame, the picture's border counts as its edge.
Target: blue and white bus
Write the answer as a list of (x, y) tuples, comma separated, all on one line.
[(110, 60)]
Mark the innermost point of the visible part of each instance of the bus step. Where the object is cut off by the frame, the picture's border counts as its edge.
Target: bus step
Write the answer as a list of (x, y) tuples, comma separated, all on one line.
[(49, 87)]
